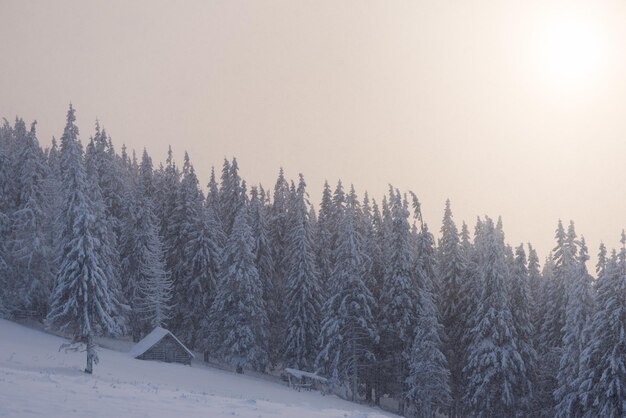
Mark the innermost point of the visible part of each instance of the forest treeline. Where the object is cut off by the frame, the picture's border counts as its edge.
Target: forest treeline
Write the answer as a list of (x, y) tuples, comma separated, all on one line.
[(96, 242)]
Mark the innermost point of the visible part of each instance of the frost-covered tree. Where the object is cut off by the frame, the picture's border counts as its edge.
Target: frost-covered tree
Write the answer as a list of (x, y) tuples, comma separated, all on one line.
[(146, 283), (399, 297), (31, 256), (348, 330), (451, 271), (428, 380), (303, 292), (551, 334), (81, 303), (602, 387), (186, 239), (521, 312), (154, 287), (324, 238), (495, 366), (238, 318), (278, 223), (578, 312)]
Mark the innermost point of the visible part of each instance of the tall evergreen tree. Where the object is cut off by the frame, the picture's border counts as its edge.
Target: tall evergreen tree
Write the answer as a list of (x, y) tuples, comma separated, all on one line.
[(398, 310), (428, 387), (578, 311), (81, 303), (303, 292), (495, 366), (602, 387), (522, 319), (238, 317), (451, 269), (348, 330), (32, 264)]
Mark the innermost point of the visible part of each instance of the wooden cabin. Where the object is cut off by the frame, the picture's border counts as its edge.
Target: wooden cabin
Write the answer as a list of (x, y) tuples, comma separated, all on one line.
[(162, 345)]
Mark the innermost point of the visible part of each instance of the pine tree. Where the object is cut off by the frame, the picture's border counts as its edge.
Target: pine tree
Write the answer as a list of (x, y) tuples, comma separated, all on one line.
[(187, 239), (324, 238), (278, 222), (303, 297), (521, 313), (428, 387), (398, 310), (81, 303), (495, 366), (578, 311), (348, 330), (32, 268), (602, 387), (238, 318), (154, 287), (551, 333), (451, 269)]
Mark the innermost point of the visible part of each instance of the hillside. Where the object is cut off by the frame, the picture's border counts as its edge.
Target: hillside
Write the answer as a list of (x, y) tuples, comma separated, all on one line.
[(37, 379)]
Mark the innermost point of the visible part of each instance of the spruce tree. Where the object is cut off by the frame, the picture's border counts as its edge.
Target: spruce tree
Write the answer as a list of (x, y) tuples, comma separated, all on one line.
[(578, 311), (451, 269), (348, 330), (602, 387), (81, 304), (521, 313), (303, 297), (238, 317), (495, 366), (399, 297), (428, 379), (32, 264)]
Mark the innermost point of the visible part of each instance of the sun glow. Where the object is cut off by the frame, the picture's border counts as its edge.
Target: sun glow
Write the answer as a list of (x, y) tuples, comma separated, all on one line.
[(570, 51)]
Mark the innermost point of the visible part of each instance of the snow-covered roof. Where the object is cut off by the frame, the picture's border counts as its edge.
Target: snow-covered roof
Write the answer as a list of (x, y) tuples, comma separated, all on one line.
[(151, 339), (300, 373)]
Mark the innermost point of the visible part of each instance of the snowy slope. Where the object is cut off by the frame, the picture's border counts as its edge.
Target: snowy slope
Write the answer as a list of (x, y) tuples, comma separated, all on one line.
[(38, 380)]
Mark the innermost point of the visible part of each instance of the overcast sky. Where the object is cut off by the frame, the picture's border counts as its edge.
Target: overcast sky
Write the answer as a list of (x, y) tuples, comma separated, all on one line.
[(457, 99)]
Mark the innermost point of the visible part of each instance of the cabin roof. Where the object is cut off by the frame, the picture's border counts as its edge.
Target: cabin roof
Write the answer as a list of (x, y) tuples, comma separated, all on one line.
[(151, 339)]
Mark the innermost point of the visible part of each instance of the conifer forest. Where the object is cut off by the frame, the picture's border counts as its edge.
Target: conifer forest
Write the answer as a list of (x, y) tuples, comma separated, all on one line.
[(448, 319)]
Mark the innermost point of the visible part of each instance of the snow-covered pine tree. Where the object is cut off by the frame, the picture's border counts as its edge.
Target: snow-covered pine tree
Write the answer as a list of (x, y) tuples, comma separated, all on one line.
[(230, 194), (4, 266), (579, 309), (303, 294), (535, 284), (428, 387), (553, 323), (146, 284), (32, 266), (451, 269), (324, 239), (525, 331), (601, 264), (154, 287), (81, 304), (278, 222), (495, 366), (238, 317), (259, 222), (398, 300), (189, 251), (348, 330), (602, 387)]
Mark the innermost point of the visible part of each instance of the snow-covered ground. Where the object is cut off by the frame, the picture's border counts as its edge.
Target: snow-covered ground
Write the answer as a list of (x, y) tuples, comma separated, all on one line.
[(36, 379)]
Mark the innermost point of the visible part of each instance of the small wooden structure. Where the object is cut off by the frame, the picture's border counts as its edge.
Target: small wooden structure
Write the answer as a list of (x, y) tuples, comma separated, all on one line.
[(162, 345), (299, 379)]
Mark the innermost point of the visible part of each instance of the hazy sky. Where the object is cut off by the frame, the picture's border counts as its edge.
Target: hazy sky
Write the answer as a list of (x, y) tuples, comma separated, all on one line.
[(506, 107)]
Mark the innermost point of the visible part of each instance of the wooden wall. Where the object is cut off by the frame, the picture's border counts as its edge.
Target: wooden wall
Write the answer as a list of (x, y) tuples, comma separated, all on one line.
[(167, 350)]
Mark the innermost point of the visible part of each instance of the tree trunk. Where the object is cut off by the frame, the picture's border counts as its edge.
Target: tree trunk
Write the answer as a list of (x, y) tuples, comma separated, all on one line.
[(90, 354)]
